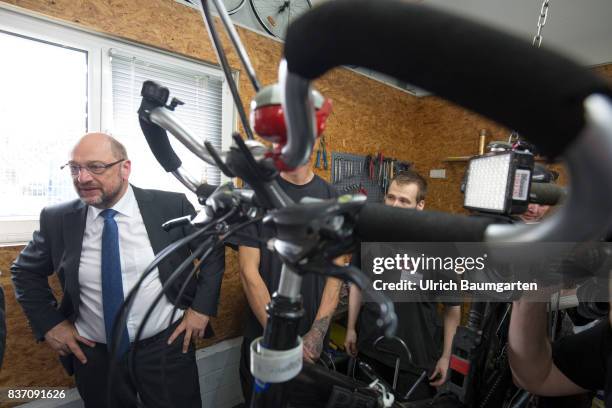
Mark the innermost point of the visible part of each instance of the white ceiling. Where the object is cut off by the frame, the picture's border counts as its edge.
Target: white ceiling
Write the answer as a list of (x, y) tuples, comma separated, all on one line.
[(579, 28)]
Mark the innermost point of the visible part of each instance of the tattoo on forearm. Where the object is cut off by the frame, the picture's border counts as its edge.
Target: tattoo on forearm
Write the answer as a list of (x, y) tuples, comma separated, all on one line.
[(313, 340), (321, 325)]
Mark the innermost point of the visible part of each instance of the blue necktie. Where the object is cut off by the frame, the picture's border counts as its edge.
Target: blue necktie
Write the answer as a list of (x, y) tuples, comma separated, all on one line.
[(112, 283)]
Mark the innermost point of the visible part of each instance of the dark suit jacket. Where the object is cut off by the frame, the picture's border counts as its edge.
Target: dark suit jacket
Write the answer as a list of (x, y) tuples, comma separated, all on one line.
[(2, 326), (56, 247)]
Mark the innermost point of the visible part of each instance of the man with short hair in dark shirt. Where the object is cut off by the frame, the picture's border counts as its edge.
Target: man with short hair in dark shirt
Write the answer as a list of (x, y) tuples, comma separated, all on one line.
[(418, 323), (260, 274)]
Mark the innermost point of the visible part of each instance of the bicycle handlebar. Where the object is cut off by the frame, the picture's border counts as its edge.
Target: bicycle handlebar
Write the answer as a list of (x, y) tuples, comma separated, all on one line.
[(553, 101)]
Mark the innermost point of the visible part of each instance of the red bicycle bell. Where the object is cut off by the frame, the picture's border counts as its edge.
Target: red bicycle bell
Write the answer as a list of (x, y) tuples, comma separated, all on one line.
[(268, 120)]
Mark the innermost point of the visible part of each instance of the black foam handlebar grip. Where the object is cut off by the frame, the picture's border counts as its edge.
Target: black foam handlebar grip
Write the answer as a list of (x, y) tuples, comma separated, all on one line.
[(532, 90), (157, 138), (383, 223)]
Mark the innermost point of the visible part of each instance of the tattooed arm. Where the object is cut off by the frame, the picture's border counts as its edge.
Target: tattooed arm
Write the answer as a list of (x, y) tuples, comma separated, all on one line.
[(313, 340)]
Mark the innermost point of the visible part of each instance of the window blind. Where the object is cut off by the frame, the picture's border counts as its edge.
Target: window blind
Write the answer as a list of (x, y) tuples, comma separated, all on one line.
[(202, 114)]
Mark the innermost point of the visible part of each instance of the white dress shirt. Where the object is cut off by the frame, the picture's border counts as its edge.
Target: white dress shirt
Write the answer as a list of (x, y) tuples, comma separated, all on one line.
[(136, 254)]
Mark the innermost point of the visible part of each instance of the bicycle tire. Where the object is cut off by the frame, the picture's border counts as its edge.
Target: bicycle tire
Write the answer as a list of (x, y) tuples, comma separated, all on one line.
[(261, 18)]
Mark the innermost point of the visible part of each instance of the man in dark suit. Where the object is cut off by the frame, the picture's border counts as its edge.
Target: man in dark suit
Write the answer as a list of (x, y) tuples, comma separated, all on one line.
[(99, 246)]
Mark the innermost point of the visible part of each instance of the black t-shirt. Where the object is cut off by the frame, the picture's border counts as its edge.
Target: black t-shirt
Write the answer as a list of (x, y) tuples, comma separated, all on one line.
[(419, 326), (586, 358), (270, 265)]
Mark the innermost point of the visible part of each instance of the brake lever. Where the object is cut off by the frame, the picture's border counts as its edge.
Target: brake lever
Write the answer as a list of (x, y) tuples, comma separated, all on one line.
[(204, 217), (176, 222), (387, 320), (242, 203)]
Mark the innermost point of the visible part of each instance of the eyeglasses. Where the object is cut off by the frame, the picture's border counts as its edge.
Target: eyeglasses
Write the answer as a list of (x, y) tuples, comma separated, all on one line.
[(93, 168)]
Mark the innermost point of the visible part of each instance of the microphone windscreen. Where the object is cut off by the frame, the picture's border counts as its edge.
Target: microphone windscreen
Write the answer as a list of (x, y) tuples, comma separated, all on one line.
[(546, 193)]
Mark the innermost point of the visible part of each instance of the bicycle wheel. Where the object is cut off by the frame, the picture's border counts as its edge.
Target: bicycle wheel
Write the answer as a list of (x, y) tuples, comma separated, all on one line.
[(276, 15), (233, 6)]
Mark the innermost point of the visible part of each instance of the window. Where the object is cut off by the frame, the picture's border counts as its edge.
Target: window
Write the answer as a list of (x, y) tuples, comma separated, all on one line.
[(59, 83), (43, 110)]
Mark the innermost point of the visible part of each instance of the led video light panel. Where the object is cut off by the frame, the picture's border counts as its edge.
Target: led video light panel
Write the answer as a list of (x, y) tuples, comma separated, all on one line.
[(487, 182)]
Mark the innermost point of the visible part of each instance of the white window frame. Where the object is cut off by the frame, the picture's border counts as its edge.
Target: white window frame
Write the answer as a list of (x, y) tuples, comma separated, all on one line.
[(17, 230)]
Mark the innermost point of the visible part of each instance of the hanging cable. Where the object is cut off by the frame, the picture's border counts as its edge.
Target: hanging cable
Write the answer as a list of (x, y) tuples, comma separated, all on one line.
[(181, 292), (120, 322), (204, 250)]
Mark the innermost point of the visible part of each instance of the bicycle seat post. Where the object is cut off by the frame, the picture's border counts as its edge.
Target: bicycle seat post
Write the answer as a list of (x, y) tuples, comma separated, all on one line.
[(280, 338)]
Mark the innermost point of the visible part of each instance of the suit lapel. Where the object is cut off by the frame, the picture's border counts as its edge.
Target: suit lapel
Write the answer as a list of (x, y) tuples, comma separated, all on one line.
[(151, 217), (73, 230)]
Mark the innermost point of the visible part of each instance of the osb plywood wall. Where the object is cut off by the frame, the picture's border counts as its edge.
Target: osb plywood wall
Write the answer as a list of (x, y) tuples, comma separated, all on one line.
[(368, 117), (26, 363)]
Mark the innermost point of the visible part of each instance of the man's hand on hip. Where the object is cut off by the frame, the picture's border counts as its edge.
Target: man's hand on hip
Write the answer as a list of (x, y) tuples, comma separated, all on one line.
[(193, 324), (64, 339)]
